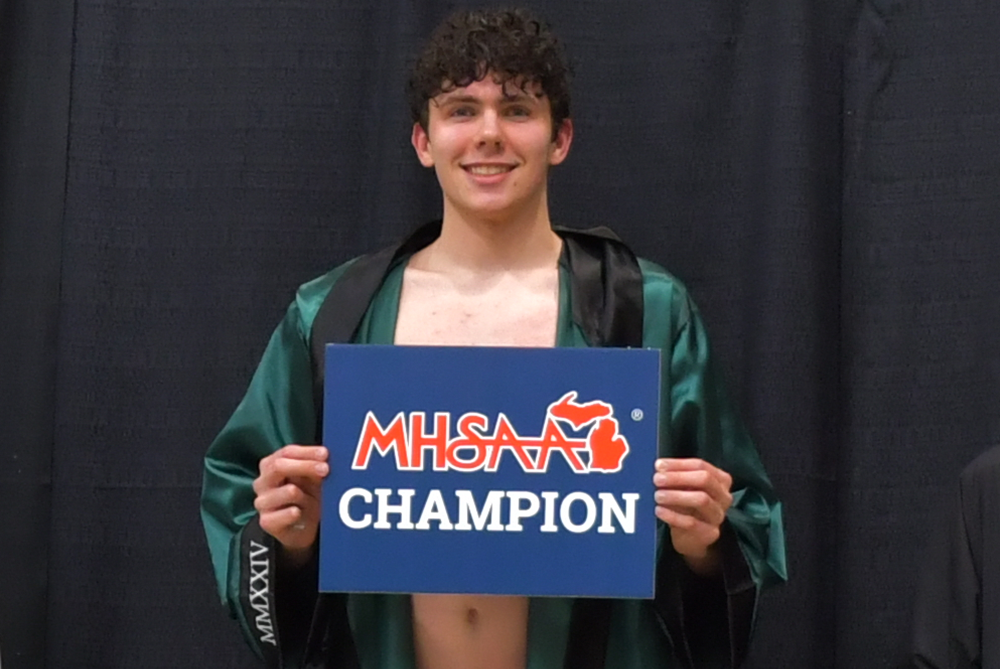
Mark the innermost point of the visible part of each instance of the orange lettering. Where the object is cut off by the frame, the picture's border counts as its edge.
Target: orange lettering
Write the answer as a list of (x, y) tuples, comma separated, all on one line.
[(470, 439), (554, 438), (437, 441), (393, 438)]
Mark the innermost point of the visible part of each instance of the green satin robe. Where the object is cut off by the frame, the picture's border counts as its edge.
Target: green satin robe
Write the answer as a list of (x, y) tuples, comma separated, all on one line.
[(696, 421)]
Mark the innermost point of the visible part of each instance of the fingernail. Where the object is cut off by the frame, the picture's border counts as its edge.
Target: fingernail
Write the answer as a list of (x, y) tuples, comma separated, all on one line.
[(322, 469)]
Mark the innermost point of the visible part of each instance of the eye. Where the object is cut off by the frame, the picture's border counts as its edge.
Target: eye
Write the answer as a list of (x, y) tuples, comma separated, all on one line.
[(462, 111), (518, 111)]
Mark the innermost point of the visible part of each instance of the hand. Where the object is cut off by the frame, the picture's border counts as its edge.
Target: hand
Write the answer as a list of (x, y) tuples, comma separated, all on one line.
[(692, 497), (288, 497)]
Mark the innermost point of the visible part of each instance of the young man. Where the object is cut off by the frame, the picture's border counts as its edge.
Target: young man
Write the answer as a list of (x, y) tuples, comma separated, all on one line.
[(490, 102)]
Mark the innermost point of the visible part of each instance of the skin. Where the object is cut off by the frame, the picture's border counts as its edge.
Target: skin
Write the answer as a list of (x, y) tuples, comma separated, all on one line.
[(491, 278)]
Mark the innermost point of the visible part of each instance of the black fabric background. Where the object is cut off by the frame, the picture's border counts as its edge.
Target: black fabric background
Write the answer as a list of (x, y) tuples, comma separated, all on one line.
[(35, 52), (824, 176)]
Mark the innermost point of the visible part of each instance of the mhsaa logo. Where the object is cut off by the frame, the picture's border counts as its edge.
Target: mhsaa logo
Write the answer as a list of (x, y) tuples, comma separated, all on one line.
[(478, 447)]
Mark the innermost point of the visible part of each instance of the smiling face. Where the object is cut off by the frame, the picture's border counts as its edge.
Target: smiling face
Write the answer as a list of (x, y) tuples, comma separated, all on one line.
[(491, 147)]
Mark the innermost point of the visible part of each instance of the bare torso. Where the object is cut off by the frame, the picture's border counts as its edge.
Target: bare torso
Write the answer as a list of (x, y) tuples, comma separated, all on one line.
[(501, 308)]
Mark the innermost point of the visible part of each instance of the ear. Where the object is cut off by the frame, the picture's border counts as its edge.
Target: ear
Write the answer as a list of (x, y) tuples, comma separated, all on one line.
[(562, 142), (422, 145)]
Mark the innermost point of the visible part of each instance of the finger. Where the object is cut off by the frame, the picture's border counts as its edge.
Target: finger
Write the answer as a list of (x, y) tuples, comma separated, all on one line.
[(690, 535), (713, 492), (296, 452), (676, 519), (286, 495), (311, 487), (290, 518), (280, 520), (694, 468), (276, 471), (268, 464), (308, 469), (717, 482), (712, 488), (270, 477), (290, 526), (683, 464), (692, 502)]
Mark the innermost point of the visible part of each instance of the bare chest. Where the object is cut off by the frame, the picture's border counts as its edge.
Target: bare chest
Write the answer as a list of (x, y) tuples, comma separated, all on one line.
[(475, 631), (505, 310)]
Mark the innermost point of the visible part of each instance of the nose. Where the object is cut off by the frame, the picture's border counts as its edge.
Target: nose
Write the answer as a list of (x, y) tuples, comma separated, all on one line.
[(490, 134)]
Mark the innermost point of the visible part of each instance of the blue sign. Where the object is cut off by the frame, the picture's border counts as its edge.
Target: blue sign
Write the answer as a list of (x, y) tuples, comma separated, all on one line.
[(507, 471)]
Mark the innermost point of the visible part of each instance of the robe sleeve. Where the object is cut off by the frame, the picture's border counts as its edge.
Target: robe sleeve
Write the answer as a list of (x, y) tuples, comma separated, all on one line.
[(700, 423), (277, 409)]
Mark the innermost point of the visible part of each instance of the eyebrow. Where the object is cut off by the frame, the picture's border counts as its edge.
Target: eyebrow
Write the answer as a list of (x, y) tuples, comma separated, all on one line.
[(453, 98)]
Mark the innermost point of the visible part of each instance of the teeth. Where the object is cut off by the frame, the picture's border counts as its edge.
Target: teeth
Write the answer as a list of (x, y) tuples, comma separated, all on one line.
[(486, 170)]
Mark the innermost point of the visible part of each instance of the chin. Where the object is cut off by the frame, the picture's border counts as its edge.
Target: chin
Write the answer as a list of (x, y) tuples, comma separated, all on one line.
[(490, 209)]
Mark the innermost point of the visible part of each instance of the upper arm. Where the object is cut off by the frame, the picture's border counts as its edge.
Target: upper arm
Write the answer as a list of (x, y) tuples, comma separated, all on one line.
[(700, 422), (277, 409)]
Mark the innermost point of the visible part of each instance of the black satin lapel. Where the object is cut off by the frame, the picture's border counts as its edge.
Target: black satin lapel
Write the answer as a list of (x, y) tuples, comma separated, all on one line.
[(353, 292), (606, 281), (331, 642), (340, 315), (257, 566), (607, 305), (606, 284)]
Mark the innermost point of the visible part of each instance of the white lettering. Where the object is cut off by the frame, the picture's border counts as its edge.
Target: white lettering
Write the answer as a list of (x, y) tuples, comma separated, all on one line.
[(626, 518), (618, 513), (403, 509), (550, 512), (345, 509), (467, 507), (517, 512), (259, 588), (434, 509), (565, 512)]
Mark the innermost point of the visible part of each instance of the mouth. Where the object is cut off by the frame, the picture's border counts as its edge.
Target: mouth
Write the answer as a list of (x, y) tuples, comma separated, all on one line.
[(487, 170)]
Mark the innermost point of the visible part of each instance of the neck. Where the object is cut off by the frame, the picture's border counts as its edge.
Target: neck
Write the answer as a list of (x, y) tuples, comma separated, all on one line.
[(500, 243)]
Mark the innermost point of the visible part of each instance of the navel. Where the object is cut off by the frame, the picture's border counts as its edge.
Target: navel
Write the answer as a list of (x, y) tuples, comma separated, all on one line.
[(472, 616)]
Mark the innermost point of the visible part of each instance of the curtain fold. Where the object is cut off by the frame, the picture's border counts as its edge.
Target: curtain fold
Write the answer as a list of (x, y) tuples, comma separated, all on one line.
[(35, 58), (822, 176)]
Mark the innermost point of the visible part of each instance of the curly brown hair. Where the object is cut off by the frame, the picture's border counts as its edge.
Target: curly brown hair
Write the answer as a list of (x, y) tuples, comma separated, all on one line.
[(513, 44)]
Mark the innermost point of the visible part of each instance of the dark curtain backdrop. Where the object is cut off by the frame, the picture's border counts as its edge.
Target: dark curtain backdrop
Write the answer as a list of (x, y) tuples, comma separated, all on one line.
[(825, 177)]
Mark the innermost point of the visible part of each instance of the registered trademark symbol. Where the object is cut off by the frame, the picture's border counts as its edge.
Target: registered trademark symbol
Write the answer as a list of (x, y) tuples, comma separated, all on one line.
[(637, 414)]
